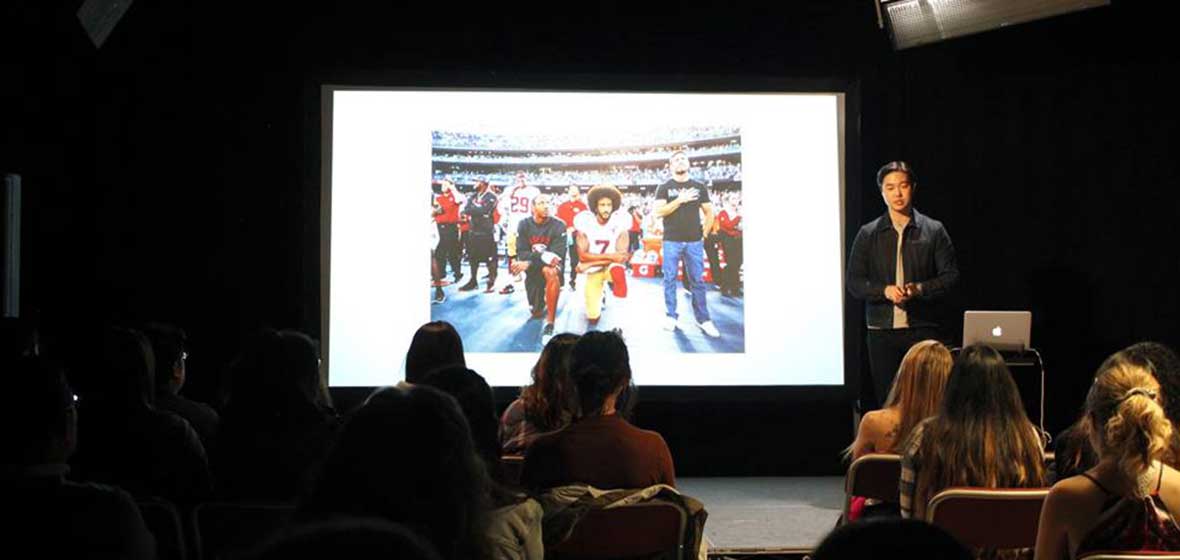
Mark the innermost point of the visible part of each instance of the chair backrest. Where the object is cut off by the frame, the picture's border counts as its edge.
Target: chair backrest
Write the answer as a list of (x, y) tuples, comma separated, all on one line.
[(1115, 555), (989, 517), (222, 528), (163, 520), (650, 527), (511, 467), (875, 476)]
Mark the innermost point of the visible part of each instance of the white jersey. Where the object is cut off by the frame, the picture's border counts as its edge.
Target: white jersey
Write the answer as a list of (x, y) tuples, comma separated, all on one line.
[(517, 205), (602, 238)]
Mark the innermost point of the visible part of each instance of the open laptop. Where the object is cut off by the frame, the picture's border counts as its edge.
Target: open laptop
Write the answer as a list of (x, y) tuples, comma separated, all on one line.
[(1007, 331)]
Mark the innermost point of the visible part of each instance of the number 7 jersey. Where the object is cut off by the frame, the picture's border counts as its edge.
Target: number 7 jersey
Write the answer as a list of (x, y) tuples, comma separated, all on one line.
[(601, 237)]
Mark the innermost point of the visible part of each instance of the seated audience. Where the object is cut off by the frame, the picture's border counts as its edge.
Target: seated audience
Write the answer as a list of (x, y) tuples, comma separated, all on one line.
[(1125, 501), (435, 345), (981, 436), (169, 347), (128, 442), (352, 538), (600, 369), (915, 396), (1074, 453), (545, 406), (407, 456), (46, 515), (889, 539), (278, 424)]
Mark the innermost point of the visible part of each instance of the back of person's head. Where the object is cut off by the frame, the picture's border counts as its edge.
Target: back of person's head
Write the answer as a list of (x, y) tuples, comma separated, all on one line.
[(918, 387), (981, 436), (436, 344), (168, 345), (38, 423), (1164, 364), (1073, 452), (345, 538), (474, 396), (118, 377), (888, 539), (277, 375), (18, 338), (1127, 422), (407, 456), (551, 400), (599, 366)]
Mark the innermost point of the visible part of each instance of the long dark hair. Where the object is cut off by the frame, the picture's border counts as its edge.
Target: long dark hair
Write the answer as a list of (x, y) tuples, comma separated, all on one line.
[(436, 344), (981, 436), (549, 403), (407, 456)]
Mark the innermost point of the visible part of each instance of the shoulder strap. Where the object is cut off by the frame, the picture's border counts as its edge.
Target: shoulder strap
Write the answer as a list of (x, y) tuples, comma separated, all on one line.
[(1098, 484)]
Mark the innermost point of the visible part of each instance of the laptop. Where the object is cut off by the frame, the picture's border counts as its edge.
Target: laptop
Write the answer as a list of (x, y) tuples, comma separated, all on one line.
[(1007, 331)]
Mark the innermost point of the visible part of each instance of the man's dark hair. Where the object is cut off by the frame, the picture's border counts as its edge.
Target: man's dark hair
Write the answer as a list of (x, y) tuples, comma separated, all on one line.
[(599, 366), (896, 166), (890, 538), (435, 344), (168, 344)]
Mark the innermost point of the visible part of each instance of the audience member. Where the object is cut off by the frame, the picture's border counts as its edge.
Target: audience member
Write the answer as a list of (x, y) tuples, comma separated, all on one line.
[(46, 515), (981, 436), (915, 396), (1125, 501), (345, 538), (407, 456), (600, 369), (888, 539), (128, 443), (548, 404), (435, 345), (474, 396), (1073, 453), (169, 344), (278, 424)]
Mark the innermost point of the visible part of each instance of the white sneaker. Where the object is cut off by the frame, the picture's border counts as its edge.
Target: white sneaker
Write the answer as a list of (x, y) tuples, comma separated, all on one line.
[(710, 329), (670, 323)]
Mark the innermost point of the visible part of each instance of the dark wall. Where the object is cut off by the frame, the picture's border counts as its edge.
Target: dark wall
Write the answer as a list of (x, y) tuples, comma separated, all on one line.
[(173, 174)]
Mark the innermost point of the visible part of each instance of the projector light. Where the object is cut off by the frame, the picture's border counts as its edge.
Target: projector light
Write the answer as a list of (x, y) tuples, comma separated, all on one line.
[(918, 22)]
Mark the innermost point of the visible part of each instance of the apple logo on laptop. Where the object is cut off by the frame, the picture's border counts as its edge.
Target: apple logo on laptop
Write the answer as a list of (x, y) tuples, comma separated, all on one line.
[(997, 331)]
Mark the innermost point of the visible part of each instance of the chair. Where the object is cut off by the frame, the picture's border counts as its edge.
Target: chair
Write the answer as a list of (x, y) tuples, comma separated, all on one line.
[(511, 467), (650, 527), (1115, 555), (163, 520), (992, 518), (222, 528), (875, 476)]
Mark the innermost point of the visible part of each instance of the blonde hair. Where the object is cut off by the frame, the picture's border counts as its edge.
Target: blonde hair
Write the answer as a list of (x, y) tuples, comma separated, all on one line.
[(917, 389), (1128, 423)]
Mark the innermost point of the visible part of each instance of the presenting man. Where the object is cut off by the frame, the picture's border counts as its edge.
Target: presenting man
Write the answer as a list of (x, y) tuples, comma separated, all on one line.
[(603, 246), (566, 213), (682, 202), (539, 242), (902, 264)]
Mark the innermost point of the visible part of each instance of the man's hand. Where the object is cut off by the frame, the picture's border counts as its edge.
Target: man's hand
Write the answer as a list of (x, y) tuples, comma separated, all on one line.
[(519, 266), (896, 294), (687, 196), (913, 289)]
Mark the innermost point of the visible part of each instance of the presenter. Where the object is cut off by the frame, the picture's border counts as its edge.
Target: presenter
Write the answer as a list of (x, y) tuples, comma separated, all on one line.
[(902, 265)]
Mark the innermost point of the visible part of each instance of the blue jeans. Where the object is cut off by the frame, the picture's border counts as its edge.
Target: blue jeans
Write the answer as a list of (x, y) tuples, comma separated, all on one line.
[(693, 253)]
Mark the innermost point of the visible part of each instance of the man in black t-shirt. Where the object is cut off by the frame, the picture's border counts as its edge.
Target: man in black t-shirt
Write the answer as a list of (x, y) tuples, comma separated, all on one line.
[(539, 240), (682, 202)]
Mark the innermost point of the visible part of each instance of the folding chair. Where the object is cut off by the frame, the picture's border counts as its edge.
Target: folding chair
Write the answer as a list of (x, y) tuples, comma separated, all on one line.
[(163, 520), (651, 527), (223, 528), (993, 518), (875, 476)]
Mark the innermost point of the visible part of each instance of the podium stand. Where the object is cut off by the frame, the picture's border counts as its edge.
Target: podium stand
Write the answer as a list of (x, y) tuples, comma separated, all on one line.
[(1028, 371)]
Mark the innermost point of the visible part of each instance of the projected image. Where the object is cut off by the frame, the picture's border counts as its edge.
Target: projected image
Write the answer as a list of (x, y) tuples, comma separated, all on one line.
[(639, 230)]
